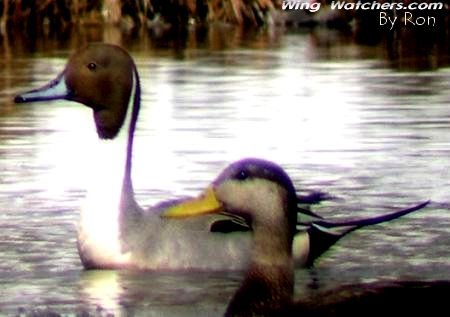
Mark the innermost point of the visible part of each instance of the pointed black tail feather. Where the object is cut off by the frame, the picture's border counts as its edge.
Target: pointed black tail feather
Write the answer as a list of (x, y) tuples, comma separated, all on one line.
[(374, 220), (323, 234)]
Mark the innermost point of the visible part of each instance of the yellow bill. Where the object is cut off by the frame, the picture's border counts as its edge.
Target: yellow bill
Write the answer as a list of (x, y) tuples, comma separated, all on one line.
[(206, 203)]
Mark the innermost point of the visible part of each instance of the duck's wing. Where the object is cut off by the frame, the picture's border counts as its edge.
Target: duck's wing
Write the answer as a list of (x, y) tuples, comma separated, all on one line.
[(382, 298), (323, 234), (233, 224)]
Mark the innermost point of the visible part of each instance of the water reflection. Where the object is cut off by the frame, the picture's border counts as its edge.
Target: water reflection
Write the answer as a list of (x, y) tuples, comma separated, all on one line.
[(402, 48), (125, 293), (102, 289), (339, 116)]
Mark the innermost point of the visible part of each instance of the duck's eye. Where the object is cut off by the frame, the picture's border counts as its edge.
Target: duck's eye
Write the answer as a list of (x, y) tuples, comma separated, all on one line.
[(92, 66), (242, 175)]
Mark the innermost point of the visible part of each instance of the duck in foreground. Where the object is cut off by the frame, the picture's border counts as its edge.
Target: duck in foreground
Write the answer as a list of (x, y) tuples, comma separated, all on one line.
[(262, 193), (114, 231)]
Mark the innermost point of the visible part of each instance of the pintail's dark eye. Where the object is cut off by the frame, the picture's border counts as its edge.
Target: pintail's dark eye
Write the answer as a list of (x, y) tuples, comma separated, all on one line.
[(242, 175), (92, 66)]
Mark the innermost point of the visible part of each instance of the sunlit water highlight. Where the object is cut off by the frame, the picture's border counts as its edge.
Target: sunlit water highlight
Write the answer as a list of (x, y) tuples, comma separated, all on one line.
[(374, 137)]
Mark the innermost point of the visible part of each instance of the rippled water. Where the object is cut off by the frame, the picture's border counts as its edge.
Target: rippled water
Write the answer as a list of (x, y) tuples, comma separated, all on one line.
[(342, 117)]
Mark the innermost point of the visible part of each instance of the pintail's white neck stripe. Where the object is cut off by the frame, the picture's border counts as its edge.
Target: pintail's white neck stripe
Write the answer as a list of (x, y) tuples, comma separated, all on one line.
[(129, 127), (100, 230)]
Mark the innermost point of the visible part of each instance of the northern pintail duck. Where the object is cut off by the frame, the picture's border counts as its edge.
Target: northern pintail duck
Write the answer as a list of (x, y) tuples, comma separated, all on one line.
[(114, 231), (262, 194)]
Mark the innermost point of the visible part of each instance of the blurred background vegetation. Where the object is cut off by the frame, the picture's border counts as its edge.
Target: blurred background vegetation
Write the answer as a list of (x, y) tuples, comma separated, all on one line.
[(37, 17), (59, 14), (43, 25)]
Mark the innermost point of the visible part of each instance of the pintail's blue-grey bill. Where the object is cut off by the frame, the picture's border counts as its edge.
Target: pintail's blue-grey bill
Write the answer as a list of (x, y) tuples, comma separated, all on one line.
[(56, 89)]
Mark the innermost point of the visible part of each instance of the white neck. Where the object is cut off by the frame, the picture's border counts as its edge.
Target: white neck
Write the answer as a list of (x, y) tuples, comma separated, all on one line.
[(98, 231)]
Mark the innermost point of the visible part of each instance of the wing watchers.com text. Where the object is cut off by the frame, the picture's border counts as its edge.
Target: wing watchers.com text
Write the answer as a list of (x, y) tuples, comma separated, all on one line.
[(407, 13), (374, 5)]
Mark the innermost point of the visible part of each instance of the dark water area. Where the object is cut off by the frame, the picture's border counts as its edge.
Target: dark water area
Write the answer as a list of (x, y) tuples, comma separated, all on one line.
[(362, 116)]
